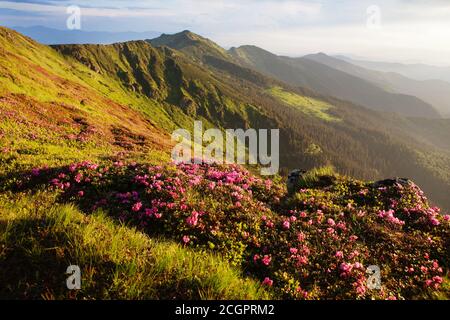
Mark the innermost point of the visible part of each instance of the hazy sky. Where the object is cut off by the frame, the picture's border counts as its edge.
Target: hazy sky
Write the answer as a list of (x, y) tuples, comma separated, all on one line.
[(390, 30)]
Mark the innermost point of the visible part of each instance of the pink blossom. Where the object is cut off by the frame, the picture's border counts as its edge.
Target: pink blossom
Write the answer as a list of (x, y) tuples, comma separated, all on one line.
[(360, 290), (345, 267), (437, 279), (293, 250), (267, 282), (192, 220), (301, 236), (78, 178), (137, 206), (81, 193), (434, 221), (186, 239), (266, 260), (339, 254), (358, 265), (286, 224), (301, 260), (269, 224), (428, 283)]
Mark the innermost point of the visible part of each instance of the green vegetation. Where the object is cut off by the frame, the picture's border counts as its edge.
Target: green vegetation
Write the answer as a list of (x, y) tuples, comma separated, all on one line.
[(116, 104), (308, 105), (316, 176), (40, 240)]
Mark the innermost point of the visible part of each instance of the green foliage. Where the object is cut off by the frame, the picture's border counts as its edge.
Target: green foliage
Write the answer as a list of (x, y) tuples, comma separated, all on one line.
[(317, 177), (39, 241), (308, 105), (314, 244)]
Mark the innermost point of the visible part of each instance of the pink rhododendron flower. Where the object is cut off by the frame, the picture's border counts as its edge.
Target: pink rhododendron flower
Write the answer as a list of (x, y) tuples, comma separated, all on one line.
[(286, 224), (360, 290), (302, 260), (78, 178), (137, 206), (269, 224), (267, 282), (301, 236), (186, 239), (434, 221), (266, 260), (192, 220)]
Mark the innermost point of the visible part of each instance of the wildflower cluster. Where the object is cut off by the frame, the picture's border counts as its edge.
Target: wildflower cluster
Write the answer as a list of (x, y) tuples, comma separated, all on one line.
[(316, 243)]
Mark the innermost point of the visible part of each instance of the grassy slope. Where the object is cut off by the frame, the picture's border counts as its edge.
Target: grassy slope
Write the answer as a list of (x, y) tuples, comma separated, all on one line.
[(117, 262), (307, 105), (51, 111), (45, 98)]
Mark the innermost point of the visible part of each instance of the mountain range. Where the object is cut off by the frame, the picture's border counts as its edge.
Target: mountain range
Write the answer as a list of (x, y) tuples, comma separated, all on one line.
[(434, 92), (87, 179), (167, 82), (416, 71)]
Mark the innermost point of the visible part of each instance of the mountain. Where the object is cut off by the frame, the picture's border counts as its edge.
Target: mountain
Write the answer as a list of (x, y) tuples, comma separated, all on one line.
[(332, 82), (170, 88), (353, 123), (47, 35), (414, 71), (86, 177), (194, 44), (434, 92)]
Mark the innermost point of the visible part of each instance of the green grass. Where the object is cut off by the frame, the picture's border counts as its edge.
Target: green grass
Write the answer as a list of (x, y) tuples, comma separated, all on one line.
[(307, 105), (314, 176), (39, 240)]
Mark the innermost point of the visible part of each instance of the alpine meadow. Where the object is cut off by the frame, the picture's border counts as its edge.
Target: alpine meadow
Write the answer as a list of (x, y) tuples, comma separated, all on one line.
[(87, 175)]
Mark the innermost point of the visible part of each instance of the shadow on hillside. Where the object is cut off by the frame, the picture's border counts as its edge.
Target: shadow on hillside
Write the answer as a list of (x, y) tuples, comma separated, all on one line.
[(34, 260)]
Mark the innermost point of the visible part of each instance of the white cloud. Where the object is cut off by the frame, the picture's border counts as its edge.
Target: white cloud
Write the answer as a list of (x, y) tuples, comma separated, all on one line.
[(414, 30)]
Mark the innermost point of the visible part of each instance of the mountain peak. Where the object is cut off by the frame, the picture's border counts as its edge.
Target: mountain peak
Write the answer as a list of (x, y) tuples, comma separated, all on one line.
[(190, 43)]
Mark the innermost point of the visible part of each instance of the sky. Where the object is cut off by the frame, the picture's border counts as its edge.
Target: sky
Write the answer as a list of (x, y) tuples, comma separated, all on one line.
[(409, 31)]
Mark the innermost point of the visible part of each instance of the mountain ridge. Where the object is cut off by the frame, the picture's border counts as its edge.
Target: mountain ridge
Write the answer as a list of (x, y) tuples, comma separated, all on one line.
[(170, 90), (329, 81), (434, 92)]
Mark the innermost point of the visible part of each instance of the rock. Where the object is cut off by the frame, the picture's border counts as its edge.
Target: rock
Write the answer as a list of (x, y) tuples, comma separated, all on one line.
[(390, 182), (293, 179)]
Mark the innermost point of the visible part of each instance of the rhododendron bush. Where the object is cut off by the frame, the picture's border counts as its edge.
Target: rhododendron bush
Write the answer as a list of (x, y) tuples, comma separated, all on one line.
[(313, 244)]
